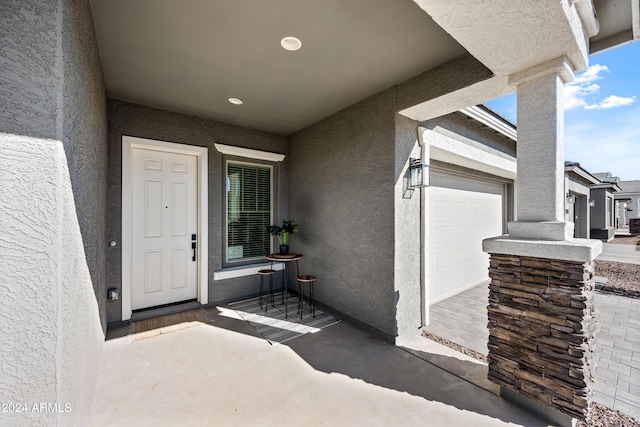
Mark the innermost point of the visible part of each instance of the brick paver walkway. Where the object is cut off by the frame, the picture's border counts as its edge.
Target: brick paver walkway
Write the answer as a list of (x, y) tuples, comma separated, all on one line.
[(617, 353), (463, 320)]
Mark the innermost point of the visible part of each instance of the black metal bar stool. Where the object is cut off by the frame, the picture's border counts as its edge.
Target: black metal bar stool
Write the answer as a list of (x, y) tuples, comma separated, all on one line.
[(263, 273), (301, 281)]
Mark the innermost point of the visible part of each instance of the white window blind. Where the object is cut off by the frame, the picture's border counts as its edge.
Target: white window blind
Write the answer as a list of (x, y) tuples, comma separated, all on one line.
[(248, 211)]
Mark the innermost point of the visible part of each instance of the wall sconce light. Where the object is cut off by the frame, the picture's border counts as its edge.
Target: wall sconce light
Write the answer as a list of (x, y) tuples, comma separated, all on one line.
[(571, 199), (419, 173), (592, 202)]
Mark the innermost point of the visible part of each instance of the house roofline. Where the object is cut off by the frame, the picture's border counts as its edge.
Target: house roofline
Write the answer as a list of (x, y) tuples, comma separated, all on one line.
[(611, 185), (581, 172), (490, 118)]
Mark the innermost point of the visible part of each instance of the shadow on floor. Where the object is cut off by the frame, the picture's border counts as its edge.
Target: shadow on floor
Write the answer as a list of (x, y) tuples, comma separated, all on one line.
[(341, 374)]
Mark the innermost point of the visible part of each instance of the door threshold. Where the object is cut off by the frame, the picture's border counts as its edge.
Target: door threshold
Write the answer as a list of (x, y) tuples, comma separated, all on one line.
[(164, 310)]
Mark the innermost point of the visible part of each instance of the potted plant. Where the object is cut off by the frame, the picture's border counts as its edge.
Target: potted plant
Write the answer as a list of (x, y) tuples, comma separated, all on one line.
[(283, 232)]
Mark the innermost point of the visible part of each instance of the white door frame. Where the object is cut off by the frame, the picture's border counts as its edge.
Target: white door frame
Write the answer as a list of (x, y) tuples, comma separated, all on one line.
[(128, 144)]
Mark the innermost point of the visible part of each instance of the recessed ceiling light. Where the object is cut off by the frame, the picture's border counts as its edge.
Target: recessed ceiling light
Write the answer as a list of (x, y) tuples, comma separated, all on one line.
[(291, 43), (236, 101)]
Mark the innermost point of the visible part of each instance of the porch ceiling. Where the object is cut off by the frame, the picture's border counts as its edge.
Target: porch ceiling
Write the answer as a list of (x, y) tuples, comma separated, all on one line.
[(192, 56)]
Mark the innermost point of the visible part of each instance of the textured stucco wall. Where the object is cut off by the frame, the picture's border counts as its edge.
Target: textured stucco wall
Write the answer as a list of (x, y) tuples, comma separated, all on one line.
[(52, 138), (29, 68), (540, 189), (341, 190), (85, 138), (464, 129), (84, 131), (408, 291), (136, 120)]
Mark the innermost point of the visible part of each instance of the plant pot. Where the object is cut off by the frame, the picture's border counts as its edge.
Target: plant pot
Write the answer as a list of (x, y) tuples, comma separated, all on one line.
[(284, 249)]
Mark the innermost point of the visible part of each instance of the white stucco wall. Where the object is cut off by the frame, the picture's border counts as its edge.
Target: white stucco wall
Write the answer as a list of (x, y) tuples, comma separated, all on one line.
[(52, 245), (49, 324)]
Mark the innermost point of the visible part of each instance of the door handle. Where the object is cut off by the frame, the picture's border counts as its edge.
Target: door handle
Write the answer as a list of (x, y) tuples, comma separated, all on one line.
[(193, 246)]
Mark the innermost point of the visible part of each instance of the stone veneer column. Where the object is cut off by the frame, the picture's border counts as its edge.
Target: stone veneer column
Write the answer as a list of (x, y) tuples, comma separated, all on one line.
[(541, 330), (540, 302)]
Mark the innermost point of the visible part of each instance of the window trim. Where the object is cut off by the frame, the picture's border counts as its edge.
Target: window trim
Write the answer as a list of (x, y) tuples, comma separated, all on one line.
[(249, 153), (226, 262)]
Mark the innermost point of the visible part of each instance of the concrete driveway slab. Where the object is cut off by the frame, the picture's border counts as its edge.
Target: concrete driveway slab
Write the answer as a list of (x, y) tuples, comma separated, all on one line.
[(619, 253)]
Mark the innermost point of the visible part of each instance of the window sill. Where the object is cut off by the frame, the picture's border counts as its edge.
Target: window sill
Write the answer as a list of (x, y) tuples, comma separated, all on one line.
[(242, 271)]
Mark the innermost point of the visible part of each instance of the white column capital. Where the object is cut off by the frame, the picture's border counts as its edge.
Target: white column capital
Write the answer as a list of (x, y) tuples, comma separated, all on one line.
[(559, 66)]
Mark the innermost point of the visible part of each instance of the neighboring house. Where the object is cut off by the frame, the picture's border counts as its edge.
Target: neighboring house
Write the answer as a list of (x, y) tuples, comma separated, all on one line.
[(627, 202), (578, 182), (144, 145), (603, 213), (590, 202)]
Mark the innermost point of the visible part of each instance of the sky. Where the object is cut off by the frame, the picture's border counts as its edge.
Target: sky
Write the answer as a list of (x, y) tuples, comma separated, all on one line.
[(602, 113)]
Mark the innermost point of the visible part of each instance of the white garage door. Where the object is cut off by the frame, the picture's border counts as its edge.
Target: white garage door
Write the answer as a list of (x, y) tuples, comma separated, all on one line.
[(463, 211)]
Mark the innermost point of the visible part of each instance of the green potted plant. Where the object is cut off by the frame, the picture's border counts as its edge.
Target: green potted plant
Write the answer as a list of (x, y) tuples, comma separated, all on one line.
[(283, 232)]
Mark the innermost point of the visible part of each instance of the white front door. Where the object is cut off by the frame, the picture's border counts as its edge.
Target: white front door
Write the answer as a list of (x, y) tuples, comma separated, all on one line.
[(164, 266)]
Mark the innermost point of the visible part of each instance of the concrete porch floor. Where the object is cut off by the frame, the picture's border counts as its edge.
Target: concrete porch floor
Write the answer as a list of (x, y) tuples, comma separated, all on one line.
[(224, 373)]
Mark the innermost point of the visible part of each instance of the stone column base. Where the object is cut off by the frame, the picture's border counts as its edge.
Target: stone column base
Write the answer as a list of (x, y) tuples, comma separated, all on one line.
[(541, 330)]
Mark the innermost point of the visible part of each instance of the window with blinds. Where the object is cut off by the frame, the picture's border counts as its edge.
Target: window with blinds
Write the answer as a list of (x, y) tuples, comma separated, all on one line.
[(248, 211)]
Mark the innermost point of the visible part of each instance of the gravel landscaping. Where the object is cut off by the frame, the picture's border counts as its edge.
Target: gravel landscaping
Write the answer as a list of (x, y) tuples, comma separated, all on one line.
[(601, 416), (622, 279), (457, 347), (626, 240)]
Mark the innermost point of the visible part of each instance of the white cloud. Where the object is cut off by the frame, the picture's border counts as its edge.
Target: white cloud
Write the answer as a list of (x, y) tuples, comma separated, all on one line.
[(577, 92), (574, 94), (611, 102), (590, 74)]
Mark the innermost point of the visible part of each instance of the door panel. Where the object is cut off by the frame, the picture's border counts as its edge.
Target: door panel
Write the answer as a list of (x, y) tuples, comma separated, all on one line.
[(180, 266), (179, 209), (165, 214), (463, 211), (153, 208)]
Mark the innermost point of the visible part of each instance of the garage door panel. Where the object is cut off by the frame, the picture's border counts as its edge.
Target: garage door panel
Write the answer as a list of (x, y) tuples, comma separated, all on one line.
[(448, 283), (450, 260), (451, 209), (433, 286), (478, 273), (433, 266), (472, 254), (481, 229), (479, 209), (494, 210), (433, 207), (451, 233), (463, 212), (434, 237)]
